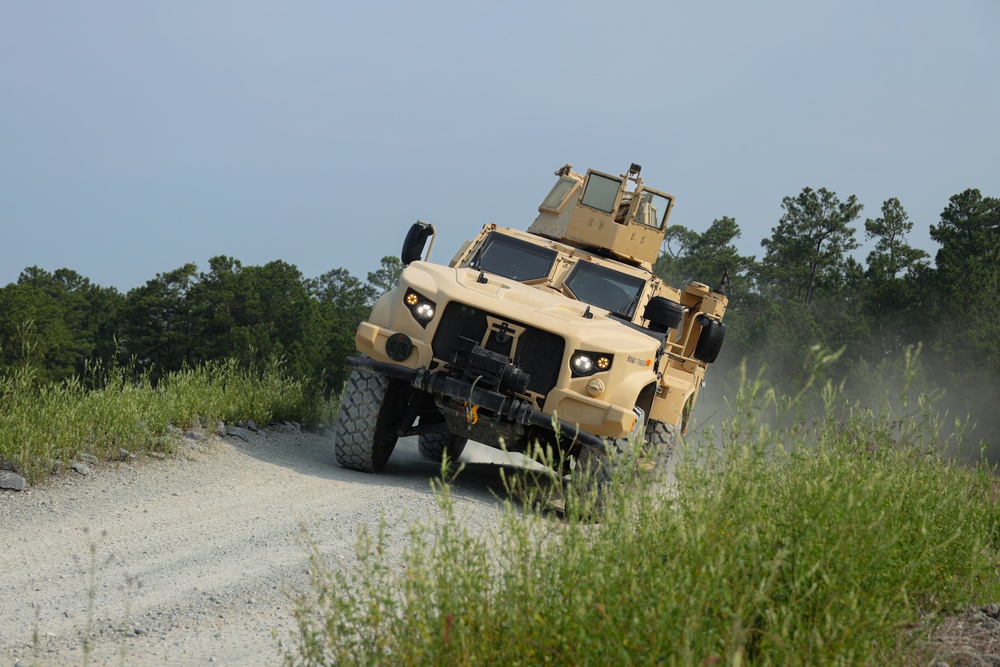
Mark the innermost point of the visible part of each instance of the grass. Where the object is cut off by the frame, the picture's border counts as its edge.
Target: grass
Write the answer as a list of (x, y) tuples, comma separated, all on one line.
[(45, 426), (785, 543)]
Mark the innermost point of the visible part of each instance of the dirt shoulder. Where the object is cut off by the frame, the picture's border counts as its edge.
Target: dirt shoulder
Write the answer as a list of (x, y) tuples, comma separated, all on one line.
[(191, 560)]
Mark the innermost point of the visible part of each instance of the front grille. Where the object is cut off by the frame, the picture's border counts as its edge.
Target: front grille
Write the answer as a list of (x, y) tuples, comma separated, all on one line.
[(457, 321), (539, 353)]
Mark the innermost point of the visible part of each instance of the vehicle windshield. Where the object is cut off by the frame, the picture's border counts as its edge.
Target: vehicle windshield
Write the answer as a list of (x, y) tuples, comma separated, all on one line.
[(513, 258), (605, 288)]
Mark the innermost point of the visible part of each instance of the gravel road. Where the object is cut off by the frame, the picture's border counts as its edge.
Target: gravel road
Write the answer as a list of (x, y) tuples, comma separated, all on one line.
[(191, 561)]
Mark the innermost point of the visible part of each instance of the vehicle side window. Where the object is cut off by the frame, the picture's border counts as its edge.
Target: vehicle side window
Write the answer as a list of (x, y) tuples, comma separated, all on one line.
[(557, 197), (652, 210), (601, 192)]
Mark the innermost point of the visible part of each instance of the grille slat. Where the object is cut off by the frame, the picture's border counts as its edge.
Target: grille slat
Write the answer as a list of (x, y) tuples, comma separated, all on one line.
[(539, 353)]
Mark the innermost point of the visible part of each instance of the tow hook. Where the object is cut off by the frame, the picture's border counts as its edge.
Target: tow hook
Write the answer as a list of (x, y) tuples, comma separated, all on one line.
[(471, 415)]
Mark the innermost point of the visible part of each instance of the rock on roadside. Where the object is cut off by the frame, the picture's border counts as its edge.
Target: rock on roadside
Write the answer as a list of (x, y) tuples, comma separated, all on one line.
[(238, 432), (11, 480)]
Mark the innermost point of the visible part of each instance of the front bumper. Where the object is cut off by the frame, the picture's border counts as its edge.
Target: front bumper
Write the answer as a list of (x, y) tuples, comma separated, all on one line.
[(598, 417), (500, 407)]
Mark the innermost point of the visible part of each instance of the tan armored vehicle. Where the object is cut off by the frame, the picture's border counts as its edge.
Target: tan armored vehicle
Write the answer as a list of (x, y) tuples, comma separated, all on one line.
[(561, 335)]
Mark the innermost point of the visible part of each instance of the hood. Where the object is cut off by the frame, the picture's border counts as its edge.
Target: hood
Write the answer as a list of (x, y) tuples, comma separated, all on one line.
[(534, 305)]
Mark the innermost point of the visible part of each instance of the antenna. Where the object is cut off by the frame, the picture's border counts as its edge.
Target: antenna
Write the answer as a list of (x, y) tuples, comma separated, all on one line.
[(725, 283)]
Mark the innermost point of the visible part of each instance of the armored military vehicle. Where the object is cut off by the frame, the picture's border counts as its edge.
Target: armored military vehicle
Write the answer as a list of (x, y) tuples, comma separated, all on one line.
[(560, 335)]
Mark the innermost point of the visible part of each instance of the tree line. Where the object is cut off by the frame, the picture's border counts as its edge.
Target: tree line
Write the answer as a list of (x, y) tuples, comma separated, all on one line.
[(63, 325), (806, 292)]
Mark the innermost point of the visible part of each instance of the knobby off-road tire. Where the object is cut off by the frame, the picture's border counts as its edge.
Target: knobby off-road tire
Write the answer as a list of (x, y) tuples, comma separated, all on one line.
[(618, 469), (366, 430), (598, 477), (660, 441), (435, 445)]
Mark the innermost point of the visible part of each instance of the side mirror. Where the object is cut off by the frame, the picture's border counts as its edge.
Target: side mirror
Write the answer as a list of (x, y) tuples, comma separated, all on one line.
[(413, 245), (663, 314)]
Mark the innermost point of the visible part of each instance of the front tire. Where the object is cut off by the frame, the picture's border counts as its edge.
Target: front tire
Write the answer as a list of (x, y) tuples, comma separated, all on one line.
[(435, 445), (598, 476), (660, 441), (366, 430), (618, 468)]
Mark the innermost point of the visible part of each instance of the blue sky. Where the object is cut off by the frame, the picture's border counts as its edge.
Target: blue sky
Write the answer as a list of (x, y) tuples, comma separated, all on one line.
[(137, 137)]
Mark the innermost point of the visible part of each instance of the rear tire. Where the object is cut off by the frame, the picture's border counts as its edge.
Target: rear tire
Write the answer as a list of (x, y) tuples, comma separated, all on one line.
[(435, 445), (366, 430)]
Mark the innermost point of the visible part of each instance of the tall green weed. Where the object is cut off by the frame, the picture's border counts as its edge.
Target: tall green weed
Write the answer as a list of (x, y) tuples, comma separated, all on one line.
[(783, 542)]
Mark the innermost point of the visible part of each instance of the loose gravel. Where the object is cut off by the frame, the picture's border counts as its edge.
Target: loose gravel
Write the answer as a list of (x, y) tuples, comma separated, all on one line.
[(192, 560)]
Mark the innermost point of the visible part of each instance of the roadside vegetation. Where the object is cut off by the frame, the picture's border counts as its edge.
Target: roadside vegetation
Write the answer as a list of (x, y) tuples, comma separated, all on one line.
[(812, 284), (812, 522), (832, 540), (45, 425)]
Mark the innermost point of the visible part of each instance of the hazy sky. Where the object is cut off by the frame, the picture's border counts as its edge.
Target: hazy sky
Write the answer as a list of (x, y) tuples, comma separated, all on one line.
[(136, 137)]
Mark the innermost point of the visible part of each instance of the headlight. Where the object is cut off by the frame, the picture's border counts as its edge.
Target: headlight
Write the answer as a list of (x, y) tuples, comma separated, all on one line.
[(588, 363), (421, 307), (582, 364)]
